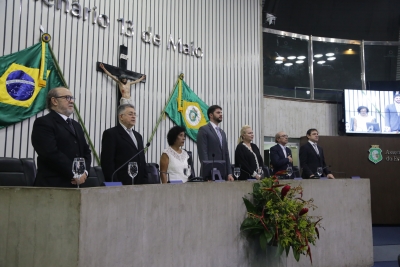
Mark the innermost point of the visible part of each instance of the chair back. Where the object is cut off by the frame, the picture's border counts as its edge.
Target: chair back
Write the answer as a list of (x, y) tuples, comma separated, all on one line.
[(95, 177), (190, 162), (17, 172), (153, 173)]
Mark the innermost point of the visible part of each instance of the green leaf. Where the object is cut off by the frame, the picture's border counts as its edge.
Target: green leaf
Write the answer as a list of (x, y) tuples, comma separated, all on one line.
[(269, 236), (249, 206), (249, 224), (280, 249), (263, 242), (296, 255), (287, 250)]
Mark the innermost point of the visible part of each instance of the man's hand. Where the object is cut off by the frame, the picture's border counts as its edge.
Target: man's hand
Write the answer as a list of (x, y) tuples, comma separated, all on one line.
[(230, 177), (81, 179), (330, 176), (290, 158)]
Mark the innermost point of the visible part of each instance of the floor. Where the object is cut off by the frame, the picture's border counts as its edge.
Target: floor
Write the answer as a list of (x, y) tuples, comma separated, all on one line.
[(386, 240)]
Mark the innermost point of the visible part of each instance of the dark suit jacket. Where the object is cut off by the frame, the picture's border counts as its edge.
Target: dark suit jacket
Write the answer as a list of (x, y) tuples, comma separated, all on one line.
[(57, 146), (117, 148), (278, 159), (310, 160), (392, 119), (208, 143), (246, 161)]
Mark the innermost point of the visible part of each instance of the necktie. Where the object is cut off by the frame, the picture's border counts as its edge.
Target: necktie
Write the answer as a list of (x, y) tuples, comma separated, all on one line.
[(316, 149), (284, 151), (69, 122), (219, 134), (132, 136)]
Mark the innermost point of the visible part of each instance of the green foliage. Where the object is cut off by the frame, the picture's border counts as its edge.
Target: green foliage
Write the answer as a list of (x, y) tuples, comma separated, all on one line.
[(273, 215)]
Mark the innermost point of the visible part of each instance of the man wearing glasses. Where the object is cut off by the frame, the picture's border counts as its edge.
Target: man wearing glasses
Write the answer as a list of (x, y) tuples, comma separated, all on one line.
[(281, 156), (57, 140)]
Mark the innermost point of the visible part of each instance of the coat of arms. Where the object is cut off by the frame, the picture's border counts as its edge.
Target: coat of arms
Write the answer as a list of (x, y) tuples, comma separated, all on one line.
[(375, 154)]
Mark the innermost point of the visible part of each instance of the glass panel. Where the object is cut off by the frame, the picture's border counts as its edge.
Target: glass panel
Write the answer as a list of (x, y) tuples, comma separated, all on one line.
[(285, 66), (336, 66), (380, 64)]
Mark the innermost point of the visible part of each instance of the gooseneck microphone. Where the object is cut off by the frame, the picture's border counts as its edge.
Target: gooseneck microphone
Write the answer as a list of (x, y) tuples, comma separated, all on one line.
[(112, 176)]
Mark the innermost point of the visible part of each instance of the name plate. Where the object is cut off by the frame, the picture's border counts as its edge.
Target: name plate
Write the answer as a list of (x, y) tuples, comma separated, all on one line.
[(112, 184)]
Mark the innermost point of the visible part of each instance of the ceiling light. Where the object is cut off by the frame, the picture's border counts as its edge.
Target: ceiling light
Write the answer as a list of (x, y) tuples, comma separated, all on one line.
[(301, 57), (350, 49), (288, 64), (299, 61), (280, 58), (278, 62), (331, 58), (291, 57), (318, 55), (321, 62), (329, 54)]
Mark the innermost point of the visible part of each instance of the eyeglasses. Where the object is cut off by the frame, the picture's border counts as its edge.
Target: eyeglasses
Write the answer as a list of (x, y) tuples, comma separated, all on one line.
[(285, 136), (132, 114), (69, 98)]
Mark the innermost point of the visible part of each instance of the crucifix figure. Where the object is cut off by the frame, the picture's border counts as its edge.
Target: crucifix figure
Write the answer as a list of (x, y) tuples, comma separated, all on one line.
[(121, 76), (123, 84)]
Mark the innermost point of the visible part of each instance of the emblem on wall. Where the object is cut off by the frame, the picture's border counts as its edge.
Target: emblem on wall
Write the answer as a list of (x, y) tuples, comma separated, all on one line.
[(375, 154)]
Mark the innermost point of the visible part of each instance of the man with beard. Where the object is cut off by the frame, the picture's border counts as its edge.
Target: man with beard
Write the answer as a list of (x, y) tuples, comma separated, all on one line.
[(58, 140), (211, 141), (124, 86)]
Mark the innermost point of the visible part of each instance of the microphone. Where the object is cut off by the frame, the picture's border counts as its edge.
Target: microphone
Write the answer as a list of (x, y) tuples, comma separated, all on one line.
[(112, 176)]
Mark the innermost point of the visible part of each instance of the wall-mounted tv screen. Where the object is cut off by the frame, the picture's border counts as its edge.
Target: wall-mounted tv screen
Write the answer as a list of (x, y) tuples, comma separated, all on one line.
[(372, 112)]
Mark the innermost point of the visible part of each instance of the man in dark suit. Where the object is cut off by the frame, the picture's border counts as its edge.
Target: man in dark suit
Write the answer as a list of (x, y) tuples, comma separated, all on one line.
[(281, 156), (392, 115), (119, 144), (312, 157), (211, 140), (58, 140)]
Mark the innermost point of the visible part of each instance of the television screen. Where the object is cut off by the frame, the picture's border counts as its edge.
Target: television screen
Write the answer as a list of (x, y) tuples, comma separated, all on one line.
[(208, 166), (372, 112)]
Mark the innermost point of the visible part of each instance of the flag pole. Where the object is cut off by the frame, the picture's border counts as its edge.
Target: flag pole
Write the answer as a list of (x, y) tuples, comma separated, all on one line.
[(76, 109), (163, 111)]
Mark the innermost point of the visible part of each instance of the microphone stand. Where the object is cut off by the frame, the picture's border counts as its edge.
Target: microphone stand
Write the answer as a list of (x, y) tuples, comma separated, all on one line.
[(112, 176)]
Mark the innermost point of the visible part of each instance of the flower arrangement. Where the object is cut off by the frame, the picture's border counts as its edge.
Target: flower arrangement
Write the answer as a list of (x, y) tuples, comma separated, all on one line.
[(278, 215)]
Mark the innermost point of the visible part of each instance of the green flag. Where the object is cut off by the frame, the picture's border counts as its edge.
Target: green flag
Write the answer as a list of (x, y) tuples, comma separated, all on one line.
[(25, 79), (186, 109)]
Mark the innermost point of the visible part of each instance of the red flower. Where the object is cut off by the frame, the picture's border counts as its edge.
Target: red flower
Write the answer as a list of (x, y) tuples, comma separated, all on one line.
[(285, 190), (303, 211)]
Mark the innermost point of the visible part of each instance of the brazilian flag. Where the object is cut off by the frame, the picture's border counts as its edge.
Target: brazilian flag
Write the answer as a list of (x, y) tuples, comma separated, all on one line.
[(25, 79), (186, 109)]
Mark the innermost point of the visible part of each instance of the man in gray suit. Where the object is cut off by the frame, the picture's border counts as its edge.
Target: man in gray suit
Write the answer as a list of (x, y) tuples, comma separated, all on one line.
[(211, 140), (392, 115)]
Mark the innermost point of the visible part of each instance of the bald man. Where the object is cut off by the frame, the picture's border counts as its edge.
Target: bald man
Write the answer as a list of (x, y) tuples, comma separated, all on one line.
[(281, 156), (57, 140)]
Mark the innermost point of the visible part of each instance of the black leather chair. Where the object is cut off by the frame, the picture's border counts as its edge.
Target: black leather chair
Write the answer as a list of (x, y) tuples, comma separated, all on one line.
[(190, 161), (17, 172), (153, 173), (95, 177)]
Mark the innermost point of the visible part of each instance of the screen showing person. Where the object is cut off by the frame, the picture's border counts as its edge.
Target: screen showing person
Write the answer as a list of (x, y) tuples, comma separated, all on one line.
[(210, 165), (371, 112)]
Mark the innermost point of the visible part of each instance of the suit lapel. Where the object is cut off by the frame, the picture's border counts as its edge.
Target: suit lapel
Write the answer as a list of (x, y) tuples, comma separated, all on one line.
[(62, 122), (125, 136)]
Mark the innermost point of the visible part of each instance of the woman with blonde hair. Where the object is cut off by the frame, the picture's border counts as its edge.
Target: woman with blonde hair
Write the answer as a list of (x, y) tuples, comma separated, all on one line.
[(247, 155)]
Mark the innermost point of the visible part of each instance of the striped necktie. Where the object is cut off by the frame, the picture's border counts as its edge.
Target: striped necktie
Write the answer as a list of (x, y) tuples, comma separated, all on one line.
[(130, 132), (69, 122), (315, 148)]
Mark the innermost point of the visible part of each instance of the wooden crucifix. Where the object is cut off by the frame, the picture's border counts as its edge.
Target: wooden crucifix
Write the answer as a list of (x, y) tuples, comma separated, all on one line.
[(121, 75)]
